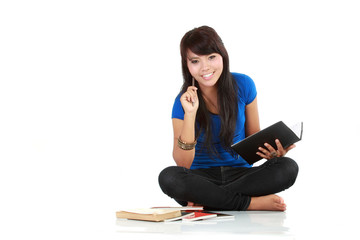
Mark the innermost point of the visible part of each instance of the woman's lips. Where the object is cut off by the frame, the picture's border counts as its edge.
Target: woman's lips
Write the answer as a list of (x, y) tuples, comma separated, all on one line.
[(208, 76)]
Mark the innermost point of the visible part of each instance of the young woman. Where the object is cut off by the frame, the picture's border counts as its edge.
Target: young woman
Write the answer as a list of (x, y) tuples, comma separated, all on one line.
[(215, 109)]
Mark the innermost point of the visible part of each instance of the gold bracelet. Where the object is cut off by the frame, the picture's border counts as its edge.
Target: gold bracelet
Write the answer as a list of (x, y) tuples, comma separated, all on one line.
[(186, 146)]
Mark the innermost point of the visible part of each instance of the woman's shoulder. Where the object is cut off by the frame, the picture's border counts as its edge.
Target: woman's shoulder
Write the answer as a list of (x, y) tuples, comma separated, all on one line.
[(178, 111), (242, 78), (247, 88)]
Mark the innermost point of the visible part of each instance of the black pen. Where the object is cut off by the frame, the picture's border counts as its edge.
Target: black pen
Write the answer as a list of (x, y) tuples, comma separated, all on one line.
[(193, 84)]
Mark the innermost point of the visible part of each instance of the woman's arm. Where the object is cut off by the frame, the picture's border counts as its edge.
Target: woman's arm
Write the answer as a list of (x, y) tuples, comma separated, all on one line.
[(185, 129), (252, 123)]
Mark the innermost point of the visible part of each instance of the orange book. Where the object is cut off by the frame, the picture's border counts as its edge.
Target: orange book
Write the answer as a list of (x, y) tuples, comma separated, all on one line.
[(155, 215)]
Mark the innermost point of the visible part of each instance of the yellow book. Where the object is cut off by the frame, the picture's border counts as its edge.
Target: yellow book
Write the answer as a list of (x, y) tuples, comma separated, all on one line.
[(145, 214)]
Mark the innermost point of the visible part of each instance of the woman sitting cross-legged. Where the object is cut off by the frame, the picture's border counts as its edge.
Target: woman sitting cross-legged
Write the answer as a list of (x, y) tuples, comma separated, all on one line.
[(216, 108)]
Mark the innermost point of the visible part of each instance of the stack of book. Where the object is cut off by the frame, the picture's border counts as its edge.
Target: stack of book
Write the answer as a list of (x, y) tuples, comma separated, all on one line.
[(169, 214)]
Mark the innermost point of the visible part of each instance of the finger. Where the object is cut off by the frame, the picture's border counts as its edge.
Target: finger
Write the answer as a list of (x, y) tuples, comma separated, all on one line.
[(273, 153), (290, 147), (192, 88), (264, 151), (193, 98), (187, 96), (193, 94), (280, 149), (279, 145), (262, 155), (271, 149)]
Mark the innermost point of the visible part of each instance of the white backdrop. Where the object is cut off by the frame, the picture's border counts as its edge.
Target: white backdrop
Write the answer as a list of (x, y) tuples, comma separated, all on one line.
[(87, 89)]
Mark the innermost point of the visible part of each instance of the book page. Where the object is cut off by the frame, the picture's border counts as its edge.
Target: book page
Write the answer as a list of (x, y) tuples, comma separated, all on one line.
[(297, 129), (149, 211)]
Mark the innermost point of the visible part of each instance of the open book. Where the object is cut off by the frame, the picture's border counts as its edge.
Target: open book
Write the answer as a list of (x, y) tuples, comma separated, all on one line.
[(248, 147)]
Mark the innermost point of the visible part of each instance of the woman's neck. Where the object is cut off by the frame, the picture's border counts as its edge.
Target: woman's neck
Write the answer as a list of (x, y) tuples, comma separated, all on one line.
[(209, 92), (210, 96)]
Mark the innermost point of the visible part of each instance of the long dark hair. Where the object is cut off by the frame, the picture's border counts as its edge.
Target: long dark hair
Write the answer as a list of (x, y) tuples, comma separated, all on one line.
[(204, 41)]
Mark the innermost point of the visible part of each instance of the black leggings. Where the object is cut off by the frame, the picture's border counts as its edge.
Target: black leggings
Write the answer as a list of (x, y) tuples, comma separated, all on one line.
[(228, 188)]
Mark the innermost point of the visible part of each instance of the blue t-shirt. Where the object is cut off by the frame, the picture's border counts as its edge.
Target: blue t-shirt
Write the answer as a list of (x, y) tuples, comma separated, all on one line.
[(247, 94)]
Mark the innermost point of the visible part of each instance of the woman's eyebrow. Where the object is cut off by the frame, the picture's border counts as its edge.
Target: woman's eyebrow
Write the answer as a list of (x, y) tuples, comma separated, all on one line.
[(192, 58)]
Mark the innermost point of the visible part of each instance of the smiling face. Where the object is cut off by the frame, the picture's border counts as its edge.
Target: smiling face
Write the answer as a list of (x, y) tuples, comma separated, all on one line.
[(206, 69)]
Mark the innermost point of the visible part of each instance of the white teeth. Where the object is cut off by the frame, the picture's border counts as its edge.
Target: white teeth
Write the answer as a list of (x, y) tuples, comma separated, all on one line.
[(208, 75)]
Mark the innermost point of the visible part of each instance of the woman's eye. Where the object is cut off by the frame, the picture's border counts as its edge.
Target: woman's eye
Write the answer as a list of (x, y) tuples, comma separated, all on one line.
[(212, 57), (194, 61)]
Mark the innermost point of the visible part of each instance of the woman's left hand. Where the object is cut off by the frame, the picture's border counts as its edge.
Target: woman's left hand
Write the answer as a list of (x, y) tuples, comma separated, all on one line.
[(270, 152)]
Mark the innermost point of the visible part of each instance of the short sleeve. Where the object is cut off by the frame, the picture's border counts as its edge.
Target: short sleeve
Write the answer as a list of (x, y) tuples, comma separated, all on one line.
[(178, 111), (247, 88)]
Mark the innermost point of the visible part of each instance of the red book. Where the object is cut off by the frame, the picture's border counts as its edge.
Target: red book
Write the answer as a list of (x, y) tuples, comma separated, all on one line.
[(199, 216)]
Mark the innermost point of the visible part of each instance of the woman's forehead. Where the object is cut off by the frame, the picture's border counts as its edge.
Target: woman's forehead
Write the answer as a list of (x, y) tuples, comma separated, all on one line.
[(190, 54)]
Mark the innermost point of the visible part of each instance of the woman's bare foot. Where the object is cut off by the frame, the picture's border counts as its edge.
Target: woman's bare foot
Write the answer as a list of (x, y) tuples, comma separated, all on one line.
[(267, 203), (191, 204)]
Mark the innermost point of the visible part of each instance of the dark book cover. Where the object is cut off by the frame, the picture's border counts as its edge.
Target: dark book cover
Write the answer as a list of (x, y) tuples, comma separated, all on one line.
[(248, 147)]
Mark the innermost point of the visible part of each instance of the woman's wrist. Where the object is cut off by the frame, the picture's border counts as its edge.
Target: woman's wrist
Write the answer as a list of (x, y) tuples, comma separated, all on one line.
[(188, 130), (190, 116), (186, 145)]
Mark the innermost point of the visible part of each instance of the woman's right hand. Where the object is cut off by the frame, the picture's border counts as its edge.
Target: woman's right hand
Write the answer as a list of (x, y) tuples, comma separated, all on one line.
[(189, 100)]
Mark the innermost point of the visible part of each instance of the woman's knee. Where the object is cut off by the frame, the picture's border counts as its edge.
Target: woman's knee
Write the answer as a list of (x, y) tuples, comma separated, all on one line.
[(290, 168), (168, 179), (165, 178)]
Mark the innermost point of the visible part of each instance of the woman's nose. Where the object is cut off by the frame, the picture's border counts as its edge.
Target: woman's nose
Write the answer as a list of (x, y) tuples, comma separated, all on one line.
[(205, 66)]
